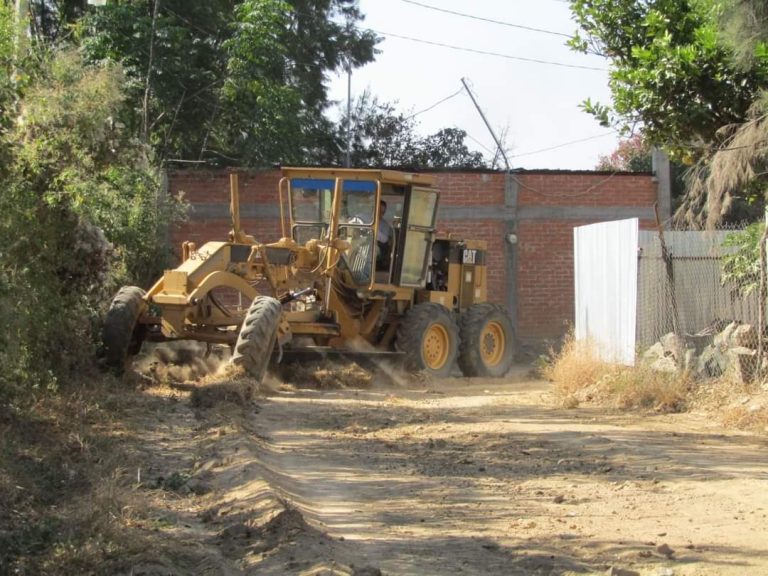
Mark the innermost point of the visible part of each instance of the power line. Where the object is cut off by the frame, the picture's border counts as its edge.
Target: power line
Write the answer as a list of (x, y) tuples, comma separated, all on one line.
[(564, 144), (436, 104), (476, 141), (464, 15), (485, 53)]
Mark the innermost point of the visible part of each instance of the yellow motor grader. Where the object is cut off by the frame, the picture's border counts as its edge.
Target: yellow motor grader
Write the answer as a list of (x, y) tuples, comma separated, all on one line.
[(359, 268)]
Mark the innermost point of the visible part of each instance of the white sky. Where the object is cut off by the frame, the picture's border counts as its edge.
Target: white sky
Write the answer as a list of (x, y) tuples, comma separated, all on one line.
[(537, 104)]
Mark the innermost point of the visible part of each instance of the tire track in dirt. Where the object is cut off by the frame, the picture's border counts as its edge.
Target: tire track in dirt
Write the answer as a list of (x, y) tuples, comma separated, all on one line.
[(486, 479), (458, 477)]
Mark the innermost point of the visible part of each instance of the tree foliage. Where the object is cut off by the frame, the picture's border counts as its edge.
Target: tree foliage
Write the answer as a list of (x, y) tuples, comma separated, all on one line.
[(631, 155), (232, 81), (384, 137), (732, 177), (244, 82), (741, 266), (671, 73)]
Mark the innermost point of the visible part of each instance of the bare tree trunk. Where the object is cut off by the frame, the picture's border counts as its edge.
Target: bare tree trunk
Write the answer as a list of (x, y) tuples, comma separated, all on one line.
[(145, 109)]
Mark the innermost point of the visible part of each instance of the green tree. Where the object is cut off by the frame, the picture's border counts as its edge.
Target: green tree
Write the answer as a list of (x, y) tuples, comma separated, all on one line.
[(741, 266), (231, 81), (384, 137), (52, 20), (671, 73), (447, 149)]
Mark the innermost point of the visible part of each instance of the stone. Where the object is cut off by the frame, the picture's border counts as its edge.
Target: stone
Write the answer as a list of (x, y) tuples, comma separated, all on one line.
[(699, 341), (667, 364), (712, 363), (654, 352), (690, 360), (743, 363), (725, 338), (673, 345), (745, 335)]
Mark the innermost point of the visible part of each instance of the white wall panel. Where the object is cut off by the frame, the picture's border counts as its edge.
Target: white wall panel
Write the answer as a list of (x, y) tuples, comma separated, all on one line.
[(605, 273)]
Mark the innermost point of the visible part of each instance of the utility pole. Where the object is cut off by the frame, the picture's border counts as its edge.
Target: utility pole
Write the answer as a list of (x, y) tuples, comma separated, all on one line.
[(487, 125), (348, 157)]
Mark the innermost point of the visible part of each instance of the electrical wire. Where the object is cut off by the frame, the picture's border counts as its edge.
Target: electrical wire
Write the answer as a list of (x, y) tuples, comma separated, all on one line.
[(436, 104), (490, 20), (476, 141), (563, 145), (487, 53)]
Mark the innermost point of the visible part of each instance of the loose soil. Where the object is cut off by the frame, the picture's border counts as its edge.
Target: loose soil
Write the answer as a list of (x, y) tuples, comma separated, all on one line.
[(458, 476)]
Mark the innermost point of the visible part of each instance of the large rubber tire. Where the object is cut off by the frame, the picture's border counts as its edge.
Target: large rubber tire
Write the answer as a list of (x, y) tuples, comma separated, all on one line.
[(429, 337), (258, 335), (487, 341), (122, 335)]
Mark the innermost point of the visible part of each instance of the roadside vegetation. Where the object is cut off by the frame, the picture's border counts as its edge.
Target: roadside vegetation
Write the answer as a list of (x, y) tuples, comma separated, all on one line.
[(581, 378)]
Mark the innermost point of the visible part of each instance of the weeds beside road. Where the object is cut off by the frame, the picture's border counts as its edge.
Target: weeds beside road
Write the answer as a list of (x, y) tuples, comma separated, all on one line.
[(580, 378)]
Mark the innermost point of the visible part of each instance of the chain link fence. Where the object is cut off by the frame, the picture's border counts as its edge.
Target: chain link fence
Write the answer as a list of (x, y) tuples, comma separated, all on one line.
[(695, 283)]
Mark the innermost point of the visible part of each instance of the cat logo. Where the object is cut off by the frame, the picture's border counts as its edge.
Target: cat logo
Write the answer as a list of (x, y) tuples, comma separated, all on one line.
[(469, 256)]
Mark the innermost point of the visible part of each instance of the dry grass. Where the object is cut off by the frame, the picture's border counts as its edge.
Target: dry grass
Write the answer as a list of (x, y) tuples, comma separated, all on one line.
[(580, 377), (62, 501), (68, 504), (736, 404), (574, 369), (751, 417)]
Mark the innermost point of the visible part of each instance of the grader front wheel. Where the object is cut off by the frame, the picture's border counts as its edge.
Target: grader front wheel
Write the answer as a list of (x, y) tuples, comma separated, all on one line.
[(122, 335), (257, 336), (429, 337), (487, 341)]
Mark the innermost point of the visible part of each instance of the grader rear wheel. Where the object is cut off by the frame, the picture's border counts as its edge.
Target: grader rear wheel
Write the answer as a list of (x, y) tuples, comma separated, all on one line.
[(487, 341), (429, 337), (122, 335), (257, 336)]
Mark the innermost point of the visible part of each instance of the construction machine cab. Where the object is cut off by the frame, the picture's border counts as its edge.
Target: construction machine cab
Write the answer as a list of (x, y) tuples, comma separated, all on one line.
[(388, 218)]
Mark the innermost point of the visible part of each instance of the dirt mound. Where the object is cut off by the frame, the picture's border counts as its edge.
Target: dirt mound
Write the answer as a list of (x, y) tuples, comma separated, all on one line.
[(192, 367), (326, 375), (283, 528), (175, 362)]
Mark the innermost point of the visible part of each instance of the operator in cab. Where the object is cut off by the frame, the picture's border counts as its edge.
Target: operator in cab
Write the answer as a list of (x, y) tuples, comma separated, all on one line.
[(383, 239)]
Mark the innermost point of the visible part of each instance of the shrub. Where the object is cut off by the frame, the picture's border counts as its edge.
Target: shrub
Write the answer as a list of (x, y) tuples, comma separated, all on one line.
[(80, 212)]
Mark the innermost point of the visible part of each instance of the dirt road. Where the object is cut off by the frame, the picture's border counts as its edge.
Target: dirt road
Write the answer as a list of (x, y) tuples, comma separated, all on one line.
[(457, 477)]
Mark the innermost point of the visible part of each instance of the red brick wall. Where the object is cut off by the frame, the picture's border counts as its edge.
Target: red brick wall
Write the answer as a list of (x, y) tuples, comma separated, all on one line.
[(545, 281), (470, 189), (544, 248), (212, 187)]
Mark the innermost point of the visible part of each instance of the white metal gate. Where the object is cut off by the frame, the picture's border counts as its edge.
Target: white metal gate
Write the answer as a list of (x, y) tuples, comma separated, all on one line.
[(605, 273)]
